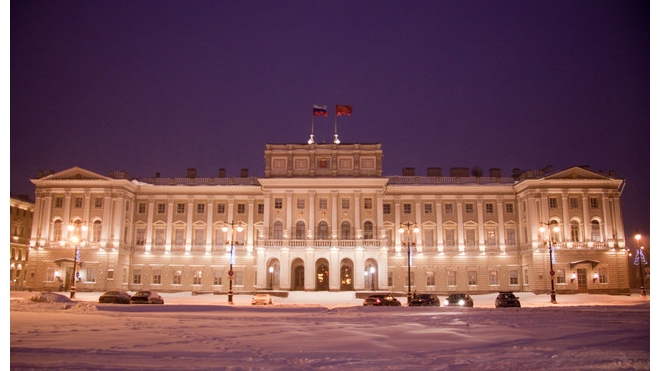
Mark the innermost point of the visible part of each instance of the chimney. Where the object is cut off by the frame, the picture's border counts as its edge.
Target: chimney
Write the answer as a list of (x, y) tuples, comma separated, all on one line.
[(191, 173), (495, 173), (434, 171), (222, 173), (408, 171), (157, 175), (244, 173)]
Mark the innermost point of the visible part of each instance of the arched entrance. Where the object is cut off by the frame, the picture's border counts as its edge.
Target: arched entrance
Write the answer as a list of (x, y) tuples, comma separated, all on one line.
[(273, 278), (346, 275), (321, 278), (298, 276), (371, 275)]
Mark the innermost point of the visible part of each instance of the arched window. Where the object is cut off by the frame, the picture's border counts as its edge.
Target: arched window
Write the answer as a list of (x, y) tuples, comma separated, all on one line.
[(323, 231), (345, 230), (575, 231), (595, 231), (555, 235), (57, 230), (96, 231), (277, 230), (300, 230), (368, 230)]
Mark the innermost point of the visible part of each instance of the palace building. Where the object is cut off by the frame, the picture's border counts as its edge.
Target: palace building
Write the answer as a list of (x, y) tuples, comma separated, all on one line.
[(324, 218)]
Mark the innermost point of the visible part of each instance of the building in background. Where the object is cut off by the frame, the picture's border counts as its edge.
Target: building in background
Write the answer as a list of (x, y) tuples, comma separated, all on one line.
[(324, 218), (21, 211)]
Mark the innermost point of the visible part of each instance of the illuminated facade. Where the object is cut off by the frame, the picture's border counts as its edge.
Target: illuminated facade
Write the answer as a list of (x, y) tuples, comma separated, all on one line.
[(324, 218), (20, 223)]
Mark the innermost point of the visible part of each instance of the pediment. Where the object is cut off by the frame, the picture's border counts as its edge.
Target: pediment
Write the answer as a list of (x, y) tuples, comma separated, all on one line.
[(576, 172), (75, 173)]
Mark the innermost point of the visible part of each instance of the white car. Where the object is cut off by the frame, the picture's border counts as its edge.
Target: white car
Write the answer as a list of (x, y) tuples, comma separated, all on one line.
[(264, 299)]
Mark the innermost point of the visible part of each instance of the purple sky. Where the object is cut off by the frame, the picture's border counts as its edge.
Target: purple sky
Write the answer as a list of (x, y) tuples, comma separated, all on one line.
[(162, 86)]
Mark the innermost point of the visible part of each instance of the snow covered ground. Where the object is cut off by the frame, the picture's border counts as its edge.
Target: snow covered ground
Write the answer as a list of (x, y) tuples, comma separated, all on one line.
[(328, 331)]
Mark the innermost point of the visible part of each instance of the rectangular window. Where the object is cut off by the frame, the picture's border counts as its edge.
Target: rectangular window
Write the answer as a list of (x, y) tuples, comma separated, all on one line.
[(513, 278), (139, 236), (470, 239), (449, 237), (323, 204), (561, 275), (197, 278), (137, 276), (78, 203), (111, 274), (345, 203), (217, 277), (142, 208), (574, 203), (508, 208), (469, 208), (428, 208), (160, 237), (510, 237), (449, 208), (90, 275), (490, 208), (238, 278), (199, 237), (240, 208), (407, 208), (58, 202), (602, 275), (428, 237), (593, 202), (176, 277), (552, 202), (451, 278), (412, 280), (178, 237), (180, 208), (260, 208), (526, 271), (155, 277), (493, 278), (300, 204), (50, 274), (472, 278), (160, 208), (367, 203), (430, 279), (490, 237), (386, 208), (221, 208), (278, 202), (98, 202), (201, 208)]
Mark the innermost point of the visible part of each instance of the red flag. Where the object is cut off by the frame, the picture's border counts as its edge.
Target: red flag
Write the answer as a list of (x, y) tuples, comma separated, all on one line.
[(343, 110)]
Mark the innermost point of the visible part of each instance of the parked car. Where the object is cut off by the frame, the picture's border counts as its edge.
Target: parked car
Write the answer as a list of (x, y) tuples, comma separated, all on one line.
[(507, 299), (263, 299), (115, 297), (382, 300), (425, 300), (147, 297), (459, 300)]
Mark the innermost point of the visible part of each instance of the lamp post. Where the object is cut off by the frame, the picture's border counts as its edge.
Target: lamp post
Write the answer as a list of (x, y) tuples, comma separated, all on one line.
[(553, 297), (640, 260), (235, 226), (271, 270), (372, 270), (407, 233), (76, 239)]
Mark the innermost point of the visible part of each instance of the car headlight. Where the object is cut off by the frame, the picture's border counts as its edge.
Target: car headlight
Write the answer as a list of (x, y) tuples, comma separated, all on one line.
[(446, 302), (461, 302)]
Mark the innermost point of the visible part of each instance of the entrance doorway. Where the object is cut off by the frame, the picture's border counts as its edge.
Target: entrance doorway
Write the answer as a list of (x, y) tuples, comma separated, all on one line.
[(298, 277), (322, 281), (346, 275), (582, 280)]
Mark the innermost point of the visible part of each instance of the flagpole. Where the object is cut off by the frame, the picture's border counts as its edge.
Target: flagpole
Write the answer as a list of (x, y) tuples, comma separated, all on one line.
[(311, 137)]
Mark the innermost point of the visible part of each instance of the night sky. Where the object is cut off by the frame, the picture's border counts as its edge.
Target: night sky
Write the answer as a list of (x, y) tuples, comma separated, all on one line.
[(152, 87)]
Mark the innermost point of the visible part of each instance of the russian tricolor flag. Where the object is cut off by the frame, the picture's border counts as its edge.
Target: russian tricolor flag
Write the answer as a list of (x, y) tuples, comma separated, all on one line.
[(319, 110)]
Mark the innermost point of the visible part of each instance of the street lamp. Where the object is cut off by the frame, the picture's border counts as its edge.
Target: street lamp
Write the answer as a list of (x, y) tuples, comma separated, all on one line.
[(271, 270), (238, 227), (76, 239), (407, 230), (553, 297), (640, 260)]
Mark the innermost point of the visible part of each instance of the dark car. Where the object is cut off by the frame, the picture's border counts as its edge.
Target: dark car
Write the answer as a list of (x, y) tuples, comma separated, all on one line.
[(382, 300), (147, 297), (115, 297), (459, 300), (425, 300), (507, 299)]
